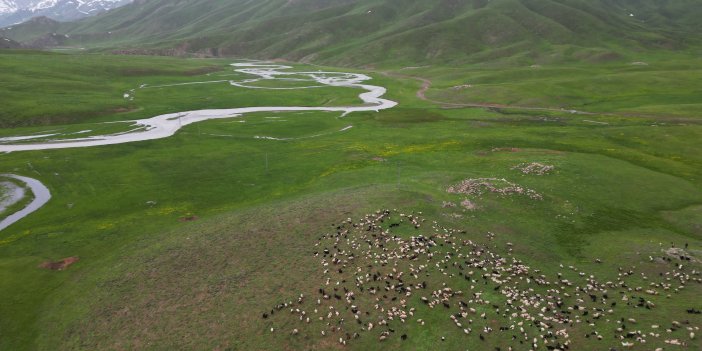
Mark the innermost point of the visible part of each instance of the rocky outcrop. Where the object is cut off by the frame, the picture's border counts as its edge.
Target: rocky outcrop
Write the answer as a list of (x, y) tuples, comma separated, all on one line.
[(6, 43), (48, 41)]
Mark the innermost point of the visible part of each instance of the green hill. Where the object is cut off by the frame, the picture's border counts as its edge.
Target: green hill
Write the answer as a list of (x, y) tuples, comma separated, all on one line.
[(356, 32)]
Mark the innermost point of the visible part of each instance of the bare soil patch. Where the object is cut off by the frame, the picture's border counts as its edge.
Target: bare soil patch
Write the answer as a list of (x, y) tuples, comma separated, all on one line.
[(123, 110), (189, 219), (681, 254), (59, 265)]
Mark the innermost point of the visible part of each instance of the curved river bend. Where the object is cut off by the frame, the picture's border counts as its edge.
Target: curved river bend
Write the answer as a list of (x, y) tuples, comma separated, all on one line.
[(164, 126), (41, 193)]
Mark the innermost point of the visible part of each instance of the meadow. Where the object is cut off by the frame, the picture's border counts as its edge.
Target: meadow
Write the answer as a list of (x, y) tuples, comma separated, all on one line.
[(184, 242)]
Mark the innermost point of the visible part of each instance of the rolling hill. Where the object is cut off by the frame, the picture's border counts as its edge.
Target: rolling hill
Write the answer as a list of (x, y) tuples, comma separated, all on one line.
[(353, 32)]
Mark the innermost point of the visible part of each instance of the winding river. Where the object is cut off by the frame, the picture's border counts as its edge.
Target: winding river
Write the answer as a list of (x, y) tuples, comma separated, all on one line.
[(41, 193), (164, 126)]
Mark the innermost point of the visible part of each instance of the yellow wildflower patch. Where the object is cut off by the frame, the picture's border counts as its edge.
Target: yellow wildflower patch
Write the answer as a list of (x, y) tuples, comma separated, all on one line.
[(15, 237), (413, 149), (105, 226)]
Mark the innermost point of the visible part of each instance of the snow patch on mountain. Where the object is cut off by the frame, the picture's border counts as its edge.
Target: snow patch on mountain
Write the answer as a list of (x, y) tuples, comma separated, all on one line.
[(44, 4), (7, 6), (17, 11)]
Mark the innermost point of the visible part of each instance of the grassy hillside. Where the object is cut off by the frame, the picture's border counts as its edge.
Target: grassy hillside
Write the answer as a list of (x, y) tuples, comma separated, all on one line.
[(32, 29), (185, 242), (193, 241), (391, 31), (653, 85)]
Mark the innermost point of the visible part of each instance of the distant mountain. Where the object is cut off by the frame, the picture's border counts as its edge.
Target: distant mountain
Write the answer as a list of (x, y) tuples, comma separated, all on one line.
[(359, 32), (18, 11)]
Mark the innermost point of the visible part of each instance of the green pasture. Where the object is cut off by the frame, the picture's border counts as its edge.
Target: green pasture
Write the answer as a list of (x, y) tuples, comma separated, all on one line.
[(625, 187), (647, 86), (42, 89)]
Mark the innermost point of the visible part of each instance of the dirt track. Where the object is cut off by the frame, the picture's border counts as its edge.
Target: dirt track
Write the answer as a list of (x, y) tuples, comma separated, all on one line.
[(426, 85)]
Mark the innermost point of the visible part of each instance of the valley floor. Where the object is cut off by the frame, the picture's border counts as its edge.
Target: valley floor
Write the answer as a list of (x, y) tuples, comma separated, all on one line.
[(195, 241)]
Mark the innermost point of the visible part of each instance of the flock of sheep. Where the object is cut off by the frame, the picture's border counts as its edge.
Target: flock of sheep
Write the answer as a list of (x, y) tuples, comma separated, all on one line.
[(390, 273)]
